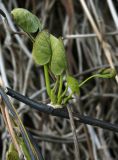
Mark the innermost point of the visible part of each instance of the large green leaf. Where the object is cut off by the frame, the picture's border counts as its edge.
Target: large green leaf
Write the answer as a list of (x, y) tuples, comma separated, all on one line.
[(41, 48), (58, 61), (26, 20), (73, 84)]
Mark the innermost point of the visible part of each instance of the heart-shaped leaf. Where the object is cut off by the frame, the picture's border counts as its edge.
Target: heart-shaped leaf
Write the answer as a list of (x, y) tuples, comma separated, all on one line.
[(26, 20), (73, 84), (107, 73), (41, 48), (58, 61)]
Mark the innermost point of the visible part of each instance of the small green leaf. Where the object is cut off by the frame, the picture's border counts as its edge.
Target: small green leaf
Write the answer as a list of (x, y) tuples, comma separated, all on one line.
[(42, 49), (58, 61), (73, 84), (107, 73), (103, 73), (26, 20), (12, 153), (12, 156)]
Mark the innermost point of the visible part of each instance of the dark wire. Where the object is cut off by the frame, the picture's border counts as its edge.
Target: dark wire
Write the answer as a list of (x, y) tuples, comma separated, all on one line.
[(38, 106), (61, 112)]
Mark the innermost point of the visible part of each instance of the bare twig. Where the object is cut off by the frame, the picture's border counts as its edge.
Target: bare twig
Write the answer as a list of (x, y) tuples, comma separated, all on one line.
[(77, 153), (105, 45)]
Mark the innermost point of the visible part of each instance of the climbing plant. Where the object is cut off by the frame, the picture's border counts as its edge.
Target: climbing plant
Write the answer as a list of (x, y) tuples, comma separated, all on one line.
[(49, 52)]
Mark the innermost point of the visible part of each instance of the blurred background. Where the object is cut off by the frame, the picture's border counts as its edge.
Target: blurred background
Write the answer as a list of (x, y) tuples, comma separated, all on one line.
[(91, 42)]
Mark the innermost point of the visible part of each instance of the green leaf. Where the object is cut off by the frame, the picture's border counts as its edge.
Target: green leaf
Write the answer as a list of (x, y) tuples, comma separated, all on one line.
[(107, 73), (58, 61), (26, 20), (12, 156), (42, 49), (73, 84), (12, 153), (103, 73)]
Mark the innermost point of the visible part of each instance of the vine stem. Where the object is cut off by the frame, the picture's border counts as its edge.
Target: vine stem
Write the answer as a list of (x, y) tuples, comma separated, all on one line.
[(67, 98), (63, 94), (31, 37), (86, 80), (60, 85), (47, 80), (56, 84)]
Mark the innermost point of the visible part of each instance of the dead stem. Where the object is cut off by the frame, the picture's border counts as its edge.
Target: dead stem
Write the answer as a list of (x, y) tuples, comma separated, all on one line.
[(77, 152)]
